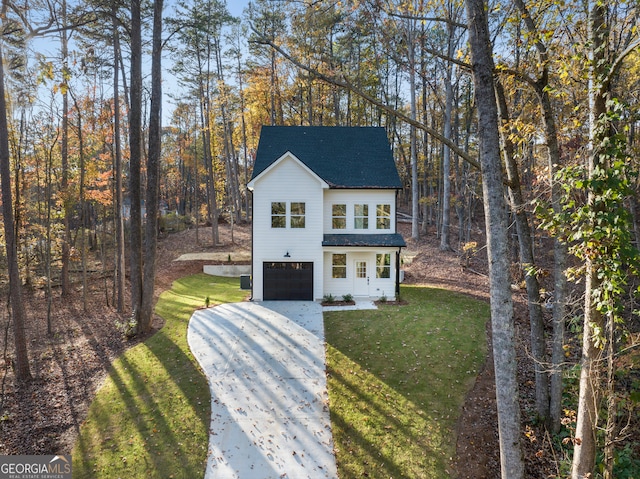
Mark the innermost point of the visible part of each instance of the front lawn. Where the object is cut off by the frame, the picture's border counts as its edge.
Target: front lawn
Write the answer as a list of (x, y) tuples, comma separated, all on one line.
[(397, 378), (151, 417)]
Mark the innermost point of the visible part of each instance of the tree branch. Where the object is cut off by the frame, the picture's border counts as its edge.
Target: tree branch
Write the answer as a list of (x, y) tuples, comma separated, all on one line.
[(617, 63), (427, 19), (344, 83)]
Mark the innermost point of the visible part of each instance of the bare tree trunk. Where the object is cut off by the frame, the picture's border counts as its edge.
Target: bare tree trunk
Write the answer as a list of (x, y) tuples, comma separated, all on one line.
[(244, 135), (612, 403), (118, 200), (229, 150), (415, 197), (153, 172), (446, 157), (196, 179), (64, 154), (22, 369), (525, 243), (559, 277), (135, 145), (559, 249), (502, 320), (83, 209), (584, 454), (48, 196)]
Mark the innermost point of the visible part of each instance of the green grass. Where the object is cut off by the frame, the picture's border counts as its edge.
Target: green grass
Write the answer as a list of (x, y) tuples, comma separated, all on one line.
[(397, 379), (151, 417)]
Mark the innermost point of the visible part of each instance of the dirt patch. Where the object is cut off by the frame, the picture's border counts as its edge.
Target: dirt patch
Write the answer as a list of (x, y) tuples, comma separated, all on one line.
[(44, 415)]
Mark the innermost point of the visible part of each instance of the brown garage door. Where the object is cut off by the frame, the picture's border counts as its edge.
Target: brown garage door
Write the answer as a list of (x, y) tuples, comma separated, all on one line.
[(288, 281)]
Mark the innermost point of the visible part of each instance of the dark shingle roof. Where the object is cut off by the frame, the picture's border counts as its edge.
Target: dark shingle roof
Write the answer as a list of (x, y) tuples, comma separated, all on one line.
[(344, 157), (380, 240)]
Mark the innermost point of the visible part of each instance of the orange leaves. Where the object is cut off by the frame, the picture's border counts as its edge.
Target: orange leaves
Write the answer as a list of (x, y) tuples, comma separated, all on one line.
[(100, 190)]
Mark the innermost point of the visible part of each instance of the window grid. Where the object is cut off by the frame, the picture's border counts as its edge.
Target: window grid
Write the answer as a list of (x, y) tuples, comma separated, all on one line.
[(361, 269), (297, 215), (339, 264), (361, 217), (278, 214), (339, 217), (383, 265), (383, 217)]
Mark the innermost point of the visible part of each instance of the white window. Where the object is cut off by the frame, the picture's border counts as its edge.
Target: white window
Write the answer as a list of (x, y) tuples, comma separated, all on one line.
[(339, 217), (278, 214), (297, 215), (383, 265), (339, 266), (383, 217), (361, 217)]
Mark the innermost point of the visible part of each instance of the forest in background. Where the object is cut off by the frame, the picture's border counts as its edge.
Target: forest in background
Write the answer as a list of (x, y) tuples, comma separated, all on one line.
[(564, 85)]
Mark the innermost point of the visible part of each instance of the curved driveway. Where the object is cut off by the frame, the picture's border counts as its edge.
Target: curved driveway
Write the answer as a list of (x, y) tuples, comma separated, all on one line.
[(265, 363)]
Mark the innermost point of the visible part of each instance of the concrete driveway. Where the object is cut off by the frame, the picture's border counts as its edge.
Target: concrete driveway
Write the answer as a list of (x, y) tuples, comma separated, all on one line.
[(265, 363)]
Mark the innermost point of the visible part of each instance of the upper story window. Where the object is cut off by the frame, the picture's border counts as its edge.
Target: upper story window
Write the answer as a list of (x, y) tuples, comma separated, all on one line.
[(383, 217), (279, 214), (339, 266), (339, 217), (297, 215), (361, 217)]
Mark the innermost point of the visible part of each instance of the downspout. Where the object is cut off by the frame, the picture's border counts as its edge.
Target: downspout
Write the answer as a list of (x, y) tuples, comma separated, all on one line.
[(253, 253), (399, 250), (398, 274)]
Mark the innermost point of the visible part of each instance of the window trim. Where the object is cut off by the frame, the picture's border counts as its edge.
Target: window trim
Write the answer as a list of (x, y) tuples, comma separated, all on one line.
[(289, 219), (297, 220), (277, 218), (342, 218), (385, 217), (338, 267), (383, 266), (363, 217)]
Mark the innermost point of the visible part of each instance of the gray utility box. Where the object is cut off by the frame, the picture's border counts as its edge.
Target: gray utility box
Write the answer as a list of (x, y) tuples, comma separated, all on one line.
[(245, 281)]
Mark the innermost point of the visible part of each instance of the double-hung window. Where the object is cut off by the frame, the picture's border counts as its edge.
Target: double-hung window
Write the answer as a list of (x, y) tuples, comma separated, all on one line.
[(297, 215), (383, 217), (278, 214), (339, 266), (339, 217), (383, 265), (361, 217)]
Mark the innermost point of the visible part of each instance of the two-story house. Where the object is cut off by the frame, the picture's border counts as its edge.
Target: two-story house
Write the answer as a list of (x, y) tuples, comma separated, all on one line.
[(324, 214)]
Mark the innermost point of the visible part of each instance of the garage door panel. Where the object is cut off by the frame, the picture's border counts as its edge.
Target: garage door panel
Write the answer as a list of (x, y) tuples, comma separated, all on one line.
[(288, 281)]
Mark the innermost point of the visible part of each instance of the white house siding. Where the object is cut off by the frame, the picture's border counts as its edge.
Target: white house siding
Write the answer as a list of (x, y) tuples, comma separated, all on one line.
[(376, 287), (288, 182), (353, 197)]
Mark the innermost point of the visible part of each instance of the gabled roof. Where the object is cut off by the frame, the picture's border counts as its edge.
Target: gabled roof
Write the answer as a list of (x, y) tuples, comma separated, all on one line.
[(344, 157)]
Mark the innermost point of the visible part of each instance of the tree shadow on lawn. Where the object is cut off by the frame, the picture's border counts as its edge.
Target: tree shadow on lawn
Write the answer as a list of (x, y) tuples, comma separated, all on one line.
[(146, 422), (397, 381), (379, 432), (151, 417)]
